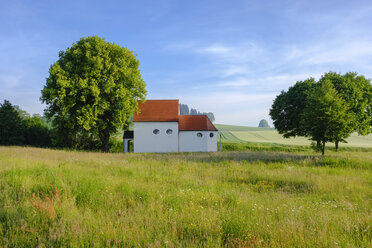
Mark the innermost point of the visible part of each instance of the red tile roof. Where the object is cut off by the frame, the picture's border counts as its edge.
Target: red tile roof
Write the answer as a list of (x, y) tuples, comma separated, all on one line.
[(195, 123), (157, 110)]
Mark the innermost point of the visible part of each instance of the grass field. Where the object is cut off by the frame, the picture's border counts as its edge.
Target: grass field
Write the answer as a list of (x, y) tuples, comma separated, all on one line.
[(51, 198), (267, 135)]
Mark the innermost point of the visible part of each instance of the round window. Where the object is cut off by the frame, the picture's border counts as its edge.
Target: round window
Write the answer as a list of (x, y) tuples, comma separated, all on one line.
[(169, 131), (199, 135), (156, 131), (211, 135)]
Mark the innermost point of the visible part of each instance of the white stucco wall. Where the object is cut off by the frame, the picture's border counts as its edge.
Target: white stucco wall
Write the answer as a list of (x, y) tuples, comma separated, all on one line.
[(212, 142), (190, 142), (146, 141)]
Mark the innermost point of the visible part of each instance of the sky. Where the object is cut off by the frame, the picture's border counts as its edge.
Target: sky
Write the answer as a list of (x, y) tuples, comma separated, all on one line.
[(230, 57)]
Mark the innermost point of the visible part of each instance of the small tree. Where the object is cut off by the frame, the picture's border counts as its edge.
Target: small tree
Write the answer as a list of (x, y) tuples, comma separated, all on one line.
[(326, 117), (263, 123), (93, 89)]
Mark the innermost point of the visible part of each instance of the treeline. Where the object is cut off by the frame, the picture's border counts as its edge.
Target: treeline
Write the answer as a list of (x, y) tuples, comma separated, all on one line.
[(17, 127), (185, 110), (328, 110)]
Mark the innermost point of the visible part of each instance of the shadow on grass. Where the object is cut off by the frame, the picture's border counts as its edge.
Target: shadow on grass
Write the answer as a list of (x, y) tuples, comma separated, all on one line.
[(259, 184), (238, 156), (296, 159)]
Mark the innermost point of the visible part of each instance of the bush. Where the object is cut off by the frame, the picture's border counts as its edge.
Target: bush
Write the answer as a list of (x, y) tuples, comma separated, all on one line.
[(36, 132), (117, 146)]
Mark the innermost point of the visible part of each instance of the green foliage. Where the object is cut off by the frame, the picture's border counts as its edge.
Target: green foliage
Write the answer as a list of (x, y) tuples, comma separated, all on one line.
[(235, 146), (289, 106), (305, 109), (11, 126), (92, 91), (36, 132), (22, 113), (263, 123), (17, 127), (77, 138), (356, 91), (52, 198), (326, 116), (116, 146)]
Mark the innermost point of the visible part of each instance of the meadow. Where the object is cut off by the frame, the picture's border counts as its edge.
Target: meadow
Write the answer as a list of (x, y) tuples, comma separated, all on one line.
[(243, 134), (249, 198)]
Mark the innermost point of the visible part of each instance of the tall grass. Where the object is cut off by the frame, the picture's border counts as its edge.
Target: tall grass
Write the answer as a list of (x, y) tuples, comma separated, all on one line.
[(230, 199)]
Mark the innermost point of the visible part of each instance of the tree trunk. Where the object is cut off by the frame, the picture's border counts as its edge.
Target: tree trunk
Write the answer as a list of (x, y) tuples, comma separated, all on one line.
[(336, 145), (104, 135), (323, 147), (318, 145)]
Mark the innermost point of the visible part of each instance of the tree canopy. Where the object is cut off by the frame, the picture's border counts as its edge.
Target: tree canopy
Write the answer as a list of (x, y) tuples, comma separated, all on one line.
[(11, 128), (326, 117), (325, 111), (289, 106), (92, 90)]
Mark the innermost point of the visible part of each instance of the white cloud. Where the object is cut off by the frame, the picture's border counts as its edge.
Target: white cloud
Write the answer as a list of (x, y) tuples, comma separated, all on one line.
[(180, 46), (274, 83), (238, 82), (349, 52), (233, 70), (232, 54), (216, 49), (9, 81)]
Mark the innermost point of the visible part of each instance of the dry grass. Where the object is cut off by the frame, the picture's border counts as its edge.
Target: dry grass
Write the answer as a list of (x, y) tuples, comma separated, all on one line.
[(52, 198)]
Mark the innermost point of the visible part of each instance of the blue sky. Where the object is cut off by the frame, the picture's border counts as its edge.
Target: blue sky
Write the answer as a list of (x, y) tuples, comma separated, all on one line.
[(227, 57)]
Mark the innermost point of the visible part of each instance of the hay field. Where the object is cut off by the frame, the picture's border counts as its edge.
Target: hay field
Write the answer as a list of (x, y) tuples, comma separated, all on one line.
[(267, 135), (51, 198)]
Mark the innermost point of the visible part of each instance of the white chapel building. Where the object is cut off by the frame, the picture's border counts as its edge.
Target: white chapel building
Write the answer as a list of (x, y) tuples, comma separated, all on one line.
[(158, 127)]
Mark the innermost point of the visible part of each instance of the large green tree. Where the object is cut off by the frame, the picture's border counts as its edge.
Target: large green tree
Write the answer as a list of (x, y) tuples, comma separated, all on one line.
[(291, 110), (93, 89), (289, 106), (326, 117), (356, 91)]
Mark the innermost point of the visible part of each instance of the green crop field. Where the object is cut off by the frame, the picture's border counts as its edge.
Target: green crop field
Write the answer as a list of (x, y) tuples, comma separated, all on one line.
[(51, 198), (268, 135), (223, 127)]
